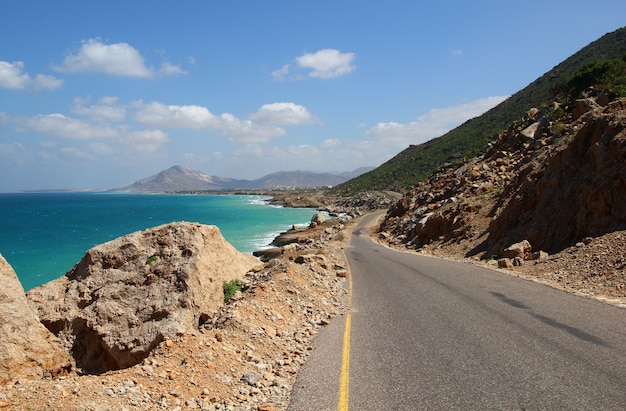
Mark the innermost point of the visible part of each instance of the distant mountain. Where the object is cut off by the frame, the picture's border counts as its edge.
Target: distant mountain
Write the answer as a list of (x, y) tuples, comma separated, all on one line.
[(180, 178), (417, 162)]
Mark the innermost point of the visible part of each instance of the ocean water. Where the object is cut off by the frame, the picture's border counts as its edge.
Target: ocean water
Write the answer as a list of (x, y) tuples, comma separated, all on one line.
[(42, 235)]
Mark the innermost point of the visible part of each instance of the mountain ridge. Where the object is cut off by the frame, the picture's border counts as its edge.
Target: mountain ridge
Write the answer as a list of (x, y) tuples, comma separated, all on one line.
[(181, 178)]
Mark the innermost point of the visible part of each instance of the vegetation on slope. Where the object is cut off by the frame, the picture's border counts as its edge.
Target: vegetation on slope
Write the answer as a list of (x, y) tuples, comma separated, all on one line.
[(417, 162)]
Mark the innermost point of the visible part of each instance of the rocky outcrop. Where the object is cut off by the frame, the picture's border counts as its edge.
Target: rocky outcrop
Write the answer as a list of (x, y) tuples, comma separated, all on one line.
[(27, 349), (553, 178), (357, 205), (574, 189), (317, 219), (128, 295)]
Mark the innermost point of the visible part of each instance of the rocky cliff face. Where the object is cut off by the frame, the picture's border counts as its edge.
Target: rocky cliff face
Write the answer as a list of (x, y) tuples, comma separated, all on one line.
[(553, 181), (571, 189), (27, 349), (128, 295)]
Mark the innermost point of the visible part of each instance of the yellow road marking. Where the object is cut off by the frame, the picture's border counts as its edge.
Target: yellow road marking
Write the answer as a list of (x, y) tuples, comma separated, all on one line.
[(345, 361)]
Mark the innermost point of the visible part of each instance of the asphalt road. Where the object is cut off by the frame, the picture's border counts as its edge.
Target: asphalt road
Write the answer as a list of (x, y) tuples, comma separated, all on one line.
[(434, 334)]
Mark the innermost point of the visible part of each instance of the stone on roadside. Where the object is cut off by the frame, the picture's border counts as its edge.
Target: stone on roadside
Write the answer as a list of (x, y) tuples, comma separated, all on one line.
[(540, 256), (522, 249)]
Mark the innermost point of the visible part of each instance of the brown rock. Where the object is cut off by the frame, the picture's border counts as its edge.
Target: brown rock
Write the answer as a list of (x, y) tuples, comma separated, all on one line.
[(128, 295), (27, 349), (317, 219), (540, 256), (521, 250)]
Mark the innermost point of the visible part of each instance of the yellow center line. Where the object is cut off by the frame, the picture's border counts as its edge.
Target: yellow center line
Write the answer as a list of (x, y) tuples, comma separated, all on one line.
[(344, 380)]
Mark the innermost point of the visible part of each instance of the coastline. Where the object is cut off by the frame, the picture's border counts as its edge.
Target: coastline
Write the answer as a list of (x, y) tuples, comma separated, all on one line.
[(245, 356)]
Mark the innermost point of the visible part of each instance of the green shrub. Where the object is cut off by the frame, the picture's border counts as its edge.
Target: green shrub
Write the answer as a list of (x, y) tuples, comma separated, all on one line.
[(230, 288), (152, 259)]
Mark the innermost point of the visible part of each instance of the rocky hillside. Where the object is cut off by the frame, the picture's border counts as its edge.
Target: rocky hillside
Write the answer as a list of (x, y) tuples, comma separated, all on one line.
[(549, 189), (417, 162)]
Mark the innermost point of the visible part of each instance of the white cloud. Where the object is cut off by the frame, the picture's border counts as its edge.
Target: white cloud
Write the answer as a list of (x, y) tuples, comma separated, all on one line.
[(456, 52), (283, 114), (160, 115), (12, 76), (245, 131), (330, 143), (105, 109), (62, 126), (168, 69), (324, 64), (327, 63), (260, 127), (282, 73), (118, 59), (433, 124)]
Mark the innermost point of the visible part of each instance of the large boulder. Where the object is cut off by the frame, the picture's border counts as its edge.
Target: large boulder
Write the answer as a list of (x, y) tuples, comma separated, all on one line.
[(128, 295), (27, 349)]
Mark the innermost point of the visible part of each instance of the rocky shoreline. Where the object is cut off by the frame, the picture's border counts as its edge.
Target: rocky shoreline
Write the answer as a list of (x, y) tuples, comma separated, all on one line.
[(243, 356)]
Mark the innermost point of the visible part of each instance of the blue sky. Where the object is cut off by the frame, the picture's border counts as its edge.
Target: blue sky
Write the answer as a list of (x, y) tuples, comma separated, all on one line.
[(99, 94)]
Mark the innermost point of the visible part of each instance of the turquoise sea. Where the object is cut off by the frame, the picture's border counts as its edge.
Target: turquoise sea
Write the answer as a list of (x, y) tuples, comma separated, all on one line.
[(42, 235)]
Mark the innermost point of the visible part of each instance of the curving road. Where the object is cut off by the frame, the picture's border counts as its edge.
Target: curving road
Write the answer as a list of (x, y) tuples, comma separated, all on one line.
[(428, 333)]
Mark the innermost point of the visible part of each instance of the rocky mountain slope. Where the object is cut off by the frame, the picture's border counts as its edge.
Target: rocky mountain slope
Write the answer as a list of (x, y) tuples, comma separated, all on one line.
[(184, 179), (550, 189), (417, 162)]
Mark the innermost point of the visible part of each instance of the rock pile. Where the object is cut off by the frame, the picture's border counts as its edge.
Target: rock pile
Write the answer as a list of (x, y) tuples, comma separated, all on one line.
[(130, 294)]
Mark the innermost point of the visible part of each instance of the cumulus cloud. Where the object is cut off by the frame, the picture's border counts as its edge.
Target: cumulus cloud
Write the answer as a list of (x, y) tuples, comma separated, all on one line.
[(324, 64), (259, 128), (173, 116), (245, 131), (12, 76), (432, 124), (118, 59), (327, 63), (62, 126), (283, 114)]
